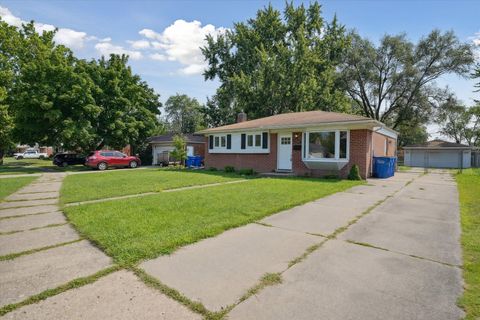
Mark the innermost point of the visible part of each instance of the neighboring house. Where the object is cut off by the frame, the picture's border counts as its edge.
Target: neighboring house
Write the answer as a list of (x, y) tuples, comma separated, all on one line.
[(162, 146), (438, 154), (36, 147), (313, 143)]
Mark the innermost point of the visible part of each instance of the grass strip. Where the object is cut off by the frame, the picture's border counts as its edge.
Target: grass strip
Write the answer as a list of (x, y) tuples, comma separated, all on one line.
[(76, 283), (19, 254), (85, 187), (152, 282), (10, 185), (32, 229), (469, 195)]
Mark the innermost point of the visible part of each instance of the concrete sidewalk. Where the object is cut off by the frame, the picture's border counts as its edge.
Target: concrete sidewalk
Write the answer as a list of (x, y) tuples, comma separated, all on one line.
[(397, 262), (218, 271), (39, 251)]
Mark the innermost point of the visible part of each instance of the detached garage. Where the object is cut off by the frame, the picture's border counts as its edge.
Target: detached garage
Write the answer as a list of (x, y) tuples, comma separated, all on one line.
[(438, 154)]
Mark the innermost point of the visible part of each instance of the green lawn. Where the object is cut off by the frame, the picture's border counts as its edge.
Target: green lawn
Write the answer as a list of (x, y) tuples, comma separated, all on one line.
[(131, 230), (27, 166), (82, 187), (469, 188), (10, 185)]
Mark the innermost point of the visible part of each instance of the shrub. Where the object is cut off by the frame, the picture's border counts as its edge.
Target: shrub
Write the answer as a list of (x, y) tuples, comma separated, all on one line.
[(229, 169), (212, 169), (180, 151), (246, 172), (354, 173)]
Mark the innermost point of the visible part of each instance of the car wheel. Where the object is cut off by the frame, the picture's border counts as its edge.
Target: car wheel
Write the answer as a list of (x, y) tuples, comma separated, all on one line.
[(133, 164), (64, 164), (19, 158), (102, 166)]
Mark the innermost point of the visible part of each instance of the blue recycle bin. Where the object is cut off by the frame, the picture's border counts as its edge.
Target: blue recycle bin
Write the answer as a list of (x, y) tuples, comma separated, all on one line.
[(190, 162), (198, 161), (384, 167)]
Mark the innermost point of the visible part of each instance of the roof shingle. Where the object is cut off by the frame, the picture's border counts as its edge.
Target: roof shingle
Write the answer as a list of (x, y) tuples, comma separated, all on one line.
[(290, 120), (437, 144)]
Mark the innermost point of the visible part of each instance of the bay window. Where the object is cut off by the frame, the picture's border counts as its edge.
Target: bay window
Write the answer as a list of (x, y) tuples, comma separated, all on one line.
[(326, 145)]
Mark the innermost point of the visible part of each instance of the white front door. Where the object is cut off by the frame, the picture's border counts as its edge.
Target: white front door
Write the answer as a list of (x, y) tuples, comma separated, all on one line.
[(284, 153)]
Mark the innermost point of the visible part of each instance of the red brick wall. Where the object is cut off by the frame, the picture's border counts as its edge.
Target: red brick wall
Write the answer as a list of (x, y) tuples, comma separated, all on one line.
[(198, 149), (258, 162), (360, 154)]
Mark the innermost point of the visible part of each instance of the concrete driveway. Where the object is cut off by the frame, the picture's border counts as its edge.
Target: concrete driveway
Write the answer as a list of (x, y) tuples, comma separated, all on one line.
[(399, 261)]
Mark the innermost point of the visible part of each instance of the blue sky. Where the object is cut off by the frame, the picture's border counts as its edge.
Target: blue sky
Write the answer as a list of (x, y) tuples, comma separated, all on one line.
[(162, 36)]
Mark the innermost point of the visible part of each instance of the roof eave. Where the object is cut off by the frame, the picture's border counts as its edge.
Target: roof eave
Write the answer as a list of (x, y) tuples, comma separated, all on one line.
[(293, 126)]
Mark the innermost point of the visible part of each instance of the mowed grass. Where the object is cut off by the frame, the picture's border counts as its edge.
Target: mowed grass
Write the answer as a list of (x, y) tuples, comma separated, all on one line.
[(27, 166), (132, 230), (469, 188), (83, 187), (10, 185)]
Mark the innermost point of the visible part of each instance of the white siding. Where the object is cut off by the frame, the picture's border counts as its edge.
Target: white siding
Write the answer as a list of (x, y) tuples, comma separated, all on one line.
[(237, 144)]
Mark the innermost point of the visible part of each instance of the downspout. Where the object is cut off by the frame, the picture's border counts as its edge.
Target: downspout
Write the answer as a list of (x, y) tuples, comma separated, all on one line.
[(371, 150)]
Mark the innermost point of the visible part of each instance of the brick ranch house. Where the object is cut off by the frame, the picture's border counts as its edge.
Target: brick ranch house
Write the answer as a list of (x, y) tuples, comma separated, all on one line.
[(313, 143)]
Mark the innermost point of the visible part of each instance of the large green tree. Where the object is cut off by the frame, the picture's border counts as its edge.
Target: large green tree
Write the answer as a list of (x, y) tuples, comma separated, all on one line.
[(184, 114), (50, 97), (458, 122), (10, 41), (276, 63), (127, 105), (393, 82)]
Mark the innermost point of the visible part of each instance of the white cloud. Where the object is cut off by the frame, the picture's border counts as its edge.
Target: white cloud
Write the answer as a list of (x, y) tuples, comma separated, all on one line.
[(106, 48), (9, 18), (158, 57), (68, 37), (71, 38), (476, 39), (149, 33), (181, 42), (193, 69), (139, 44)]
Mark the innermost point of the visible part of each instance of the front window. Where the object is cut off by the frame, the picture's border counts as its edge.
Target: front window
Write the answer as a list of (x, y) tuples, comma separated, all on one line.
[(321, 145), (326, 145), (220, 141), (254, 140)]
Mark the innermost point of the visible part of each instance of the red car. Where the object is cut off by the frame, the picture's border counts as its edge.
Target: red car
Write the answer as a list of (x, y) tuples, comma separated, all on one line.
[(103, 159)]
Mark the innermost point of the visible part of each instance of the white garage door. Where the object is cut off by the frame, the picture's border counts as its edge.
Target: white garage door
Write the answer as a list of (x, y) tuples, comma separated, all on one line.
[(435, 159)]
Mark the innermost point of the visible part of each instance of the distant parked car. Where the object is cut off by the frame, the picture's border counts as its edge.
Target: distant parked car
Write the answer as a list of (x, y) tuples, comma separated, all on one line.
[(68, 159), (30, 154), (106, 158)]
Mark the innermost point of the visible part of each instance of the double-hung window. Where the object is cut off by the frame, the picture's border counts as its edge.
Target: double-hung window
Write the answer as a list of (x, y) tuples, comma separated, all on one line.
[(326, 145), (254, 140), (220, 142)]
